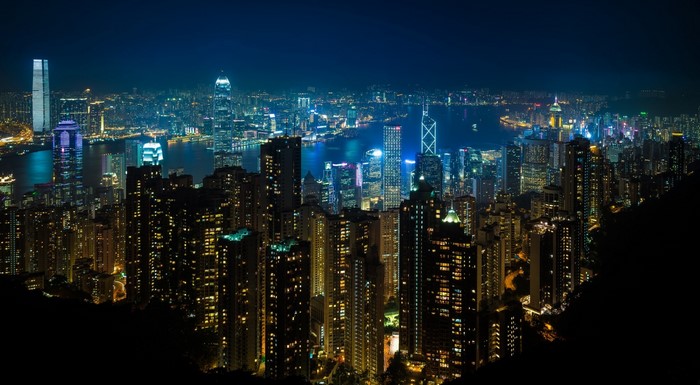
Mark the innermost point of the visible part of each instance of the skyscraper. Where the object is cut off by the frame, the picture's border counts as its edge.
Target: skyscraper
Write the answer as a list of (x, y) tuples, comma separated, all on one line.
[(450, 301), (223, 123), (577, 187), (348, 182), (418, 217), (68, 163), (133, 153), (428, 133), (429, 167), (77, 110), (287, 266), (239, 325), (41, 101), (280, 166), (676, 158), (392, 167), (535, 153), (510, 167)]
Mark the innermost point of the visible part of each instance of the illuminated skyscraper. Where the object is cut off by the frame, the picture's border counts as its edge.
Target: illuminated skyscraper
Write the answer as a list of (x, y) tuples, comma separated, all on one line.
[(11, 245), (7, 190), (371, 179), (96, 118), (676, 158), (152, 154), (535, 153), (68, 163), (77, 110), (555, 119), (239, 324), (389, 252), (450, 301), (428, 133), (576, 184), (223, 123), (429, 167), (287, 317), (392, 167), (419, 216), (41, 101), (510, 167), (348, 182), (280, 166), (133, 153)]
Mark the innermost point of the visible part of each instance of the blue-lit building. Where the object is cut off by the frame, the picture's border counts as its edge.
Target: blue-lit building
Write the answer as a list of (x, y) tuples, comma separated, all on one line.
[(68, 163), (152, 154)]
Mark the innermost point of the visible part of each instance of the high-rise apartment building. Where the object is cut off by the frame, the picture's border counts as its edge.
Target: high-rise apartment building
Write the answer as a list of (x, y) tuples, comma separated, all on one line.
[(419, 216), (287, 307), (280, 166)]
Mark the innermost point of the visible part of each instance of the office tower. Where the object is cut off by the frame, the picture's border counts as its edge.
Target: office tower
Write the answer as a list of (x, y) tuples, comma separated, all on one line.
[(152, 154), (429, 167), (239, 328), (280, 166), (287, 309), (133, 153), (143, 266), (555, 119), (557, 160), (408, 177), (41, 98), (113, 163), (371, 179), (223, 123), (328, 195), (11, 240), (68, 163), (446, 158), (450, 321), (510, 163), (96, 118), (391, 173), (428, 133), (419, 216), (389, 252), (484, 188), (348, 185), (352, 117), (311, 188), (577, 187), (465, 207), (676, 158), (7, 190), (458, 174), (535, 153), (77, 110), (364, 336)]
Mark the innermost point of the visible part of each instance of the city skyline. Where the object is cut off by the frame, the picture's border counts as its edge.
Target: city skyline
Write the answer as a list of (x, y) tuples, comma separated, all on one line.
[(275, 45)]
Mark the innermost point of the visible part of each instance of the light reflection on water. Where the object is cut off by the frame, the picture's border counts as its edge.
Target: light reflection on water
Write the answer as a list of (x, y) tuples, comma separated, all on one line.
[(454, 129)]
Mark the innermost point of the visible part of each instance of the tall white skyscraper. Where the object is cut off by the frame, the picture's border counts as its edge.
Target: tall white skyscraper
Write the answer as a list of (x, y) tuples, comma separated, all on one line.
[(223, 123), (41, 104)]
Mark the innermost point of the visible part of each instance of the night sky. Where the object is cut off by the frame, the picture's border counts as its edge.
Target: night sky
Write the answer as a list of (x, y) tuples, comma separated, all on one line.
[(593, 45)]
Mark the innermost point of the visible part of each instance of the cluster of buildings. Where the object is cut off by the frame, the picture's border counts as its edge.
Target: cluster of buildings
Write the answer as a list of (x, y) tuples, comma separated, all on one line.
[(285, 269)]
